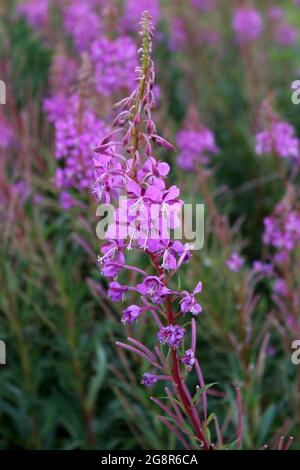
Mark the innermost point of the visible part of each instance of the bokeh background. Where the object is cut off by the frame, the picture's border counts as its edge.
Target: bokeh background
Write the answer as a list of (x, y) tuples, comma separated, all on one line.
[(224, 73)]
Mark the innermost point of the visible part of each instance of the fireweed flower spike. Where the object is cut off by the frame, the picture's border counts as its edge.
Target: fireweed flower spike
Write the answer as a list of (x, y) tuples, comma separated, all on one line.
[(125, 165)]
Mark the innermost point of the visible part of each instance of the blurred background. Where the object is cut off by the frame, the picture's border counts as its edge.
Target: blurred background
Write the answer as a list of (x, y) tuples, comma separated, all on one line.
[(224, 71)]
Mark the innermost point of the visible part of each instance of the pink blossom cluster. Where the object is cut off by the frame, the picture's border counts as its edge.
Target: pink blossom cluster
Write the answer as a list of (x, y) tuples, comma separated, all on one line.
[(76, 124), (36, 12), (113, 59), (55, 106), (83, 23), (285, 34), (108, 65), (282, 232), (278, 138), (63, 72), (247, 24), (75, 129), (114, 62), (195, 147), (275, 13)]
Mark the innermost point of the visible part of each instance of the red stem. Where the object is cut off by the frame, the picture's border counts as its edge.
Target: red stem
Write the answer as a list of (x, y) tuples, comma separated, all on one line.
[(178, 381)]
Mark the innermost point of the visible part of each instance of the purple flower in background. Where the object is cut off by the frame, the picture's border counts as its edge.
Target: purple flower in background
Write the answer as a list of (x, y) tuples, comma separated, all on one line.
[(188, 358), (116, 292), (189, 302), (77, 132), (280, 287), (153, 288), (63, 73), (281, 257), (56, 105), (275, 13), (286, 35), (7, 137), (264, 143), (172, 335), (22, 191), (285, 142), (203, 5), (67, 201), (179, 37), (36, 12), (235, 262), (133, 10), (149, 379), (247, 24), (195, 148), (115, 62), (292, 322), (263, 268), (292, 224), (278, 138), (282, 239), (131, 313), (82, 23), (210, 37), (271, 351), (77, 140), (282, 232)]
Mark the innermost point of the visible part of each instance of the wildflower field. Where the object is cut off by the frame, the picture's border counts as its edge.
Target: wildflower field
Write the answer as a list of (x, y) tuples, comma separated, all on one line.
[(149, 224)]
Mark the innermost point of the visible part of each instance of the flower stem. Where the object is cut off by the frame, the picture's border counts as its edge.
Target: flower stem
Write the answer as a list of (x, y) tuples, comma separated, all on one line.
[(175, 370)]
